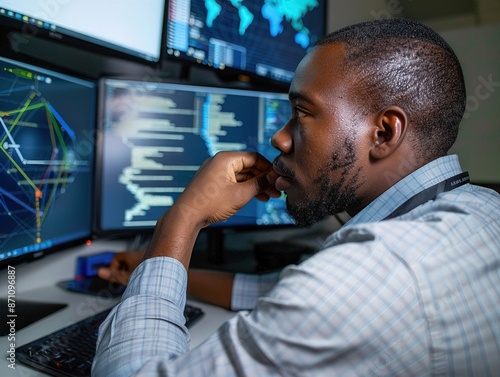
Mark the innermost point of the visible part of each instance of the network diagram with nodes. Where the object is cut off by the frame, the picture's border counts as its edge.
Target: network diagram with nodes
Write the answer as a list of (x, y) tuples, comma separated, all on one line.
[(42, 154)]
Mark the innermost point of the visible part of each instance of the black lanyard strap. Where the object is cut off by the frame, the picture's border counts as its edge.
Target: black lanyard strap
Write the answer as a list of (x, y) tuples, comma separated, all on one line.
[(431, 193)]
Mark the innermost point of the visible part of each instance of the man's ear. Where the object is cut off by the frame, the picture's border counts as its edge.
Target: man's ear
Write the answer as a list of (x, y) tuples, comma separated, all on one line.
[(391, 126)]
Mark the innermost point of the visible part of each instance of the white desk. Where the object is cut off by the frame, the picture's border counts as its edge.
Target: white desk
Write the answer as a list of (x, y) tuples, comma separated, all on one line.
[(37, 281)]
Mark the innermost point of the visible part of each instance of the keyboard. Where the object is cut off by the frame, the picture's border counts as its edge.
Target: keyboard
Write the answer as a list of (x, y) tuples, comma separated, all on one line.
[(69, 352)]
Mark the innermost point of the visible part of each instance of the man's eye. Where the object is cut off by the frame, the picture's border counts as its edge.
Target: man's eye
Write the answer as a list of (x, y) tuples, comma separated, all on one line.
[(298, 113)]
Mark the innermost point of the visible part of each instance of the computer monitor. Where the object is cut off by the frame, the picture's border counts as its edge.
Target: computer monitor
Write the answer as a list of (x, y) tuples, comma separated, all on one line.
[(47, 129), (128, 27), (154, 136), (259, 38)]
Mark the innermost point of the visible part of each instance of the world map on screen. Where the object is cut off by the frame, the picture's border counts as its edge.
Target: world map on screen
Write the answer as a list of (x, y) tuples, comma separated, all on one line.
[(276, 12)]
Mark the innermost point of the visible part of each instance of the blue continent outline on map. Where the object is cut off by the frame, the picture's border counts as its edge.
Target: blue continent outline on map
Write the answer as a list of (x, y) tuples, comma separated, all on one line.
[(214, 9), (291, 10)]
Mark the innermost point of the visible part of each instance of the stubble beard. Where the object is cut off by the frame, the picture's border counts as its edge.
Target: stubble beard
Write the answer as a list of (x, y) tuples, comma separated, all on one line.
[(332, 196)]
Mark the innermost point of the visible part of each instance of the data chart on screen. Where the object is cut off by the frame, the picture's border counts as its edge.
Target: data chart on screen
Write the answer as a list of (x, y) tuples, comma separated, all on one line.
[(47, 125), (156, 136)]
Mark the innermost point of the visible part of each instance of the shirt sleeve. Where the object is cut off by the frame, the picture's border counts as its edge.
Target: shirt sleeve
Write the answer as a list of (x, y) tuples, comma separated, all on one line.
[(148, 321), (247, 288)]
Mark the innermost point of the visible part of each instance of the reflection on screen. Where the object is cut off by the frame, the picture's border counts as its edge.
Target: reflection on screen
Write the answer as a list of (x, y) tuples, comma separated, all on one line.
[(156, 136), (46, 158)]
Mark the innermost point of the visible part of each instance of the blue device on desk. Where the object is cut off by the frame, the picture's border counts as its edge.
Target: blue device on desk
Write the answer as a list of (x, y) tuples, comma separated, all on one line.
[(88, 265), (86, 279)]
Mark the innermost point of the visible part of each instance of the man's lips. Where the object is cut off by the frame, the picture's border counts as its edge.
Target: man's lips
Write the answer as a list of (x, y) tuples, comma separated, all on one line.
[(285, 179), (279, 170), (283, 183)]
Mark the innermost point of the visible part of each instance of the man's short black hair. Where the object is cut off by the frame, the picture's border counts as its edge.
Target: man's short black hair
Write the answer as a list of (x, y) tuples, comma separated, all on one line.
[(404, 63)]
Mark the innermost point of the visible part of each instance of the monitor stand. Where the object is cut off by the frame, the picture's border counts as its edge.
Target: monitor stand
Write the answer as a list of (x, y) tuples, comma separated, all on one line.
[(215, 245), (211, 252), (26, 313), (260, 257)]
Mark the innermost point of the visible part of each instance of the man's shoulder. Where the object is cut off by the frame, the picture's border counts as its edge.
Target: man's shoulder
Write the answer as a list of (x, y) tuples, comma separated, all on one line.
[(464, 216)]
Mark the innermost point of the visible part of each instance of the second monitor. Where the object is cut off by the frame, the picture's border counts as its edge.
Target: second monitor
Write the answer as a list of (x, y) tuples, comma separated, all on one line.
[(153, 137)]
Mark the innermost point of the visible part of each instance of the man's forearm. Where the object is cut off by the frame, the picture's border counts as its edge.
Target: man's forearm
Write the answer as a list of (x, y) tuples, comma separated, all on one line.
[(174, 236), (213, 287)]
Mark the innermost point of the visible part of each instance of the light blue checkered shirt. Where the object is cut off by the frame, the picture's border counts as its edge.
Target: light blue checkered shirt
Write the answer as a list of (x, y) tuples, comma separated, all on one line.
[(416, 295)]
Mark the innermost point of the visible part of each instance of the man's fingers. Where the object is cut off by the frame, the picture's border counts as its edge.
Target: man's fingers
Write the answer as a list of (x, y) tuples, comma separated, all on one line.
[(113, 276), (104, 273)]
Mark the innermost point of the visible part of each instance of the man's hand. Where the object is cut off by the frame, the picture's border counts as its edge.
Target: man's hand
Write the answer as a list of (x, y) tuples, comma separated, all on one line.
[(222, 185), (121, 267)]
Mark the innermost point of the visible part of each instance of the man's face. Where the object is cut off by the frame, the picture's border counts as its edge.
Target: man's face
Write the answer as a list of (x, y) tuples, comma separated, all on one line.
[(321, 160)]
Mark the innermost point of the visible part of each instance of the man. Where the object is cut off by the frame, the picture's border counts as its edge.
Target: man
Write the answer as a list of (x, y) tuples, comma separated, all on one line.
[(409, 286)]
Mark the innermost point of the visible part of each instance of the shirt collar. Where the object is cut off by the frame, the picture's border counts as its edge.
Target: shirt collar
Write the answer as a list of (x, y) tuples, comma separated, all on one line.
[(422, 178)]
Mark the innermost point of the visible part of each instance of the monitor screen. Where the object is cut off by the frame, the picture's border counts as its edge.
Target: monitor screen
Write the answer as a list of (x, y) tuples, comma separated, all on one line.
[(129, 27), (154, 136), (47, 128), (264, 38)]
